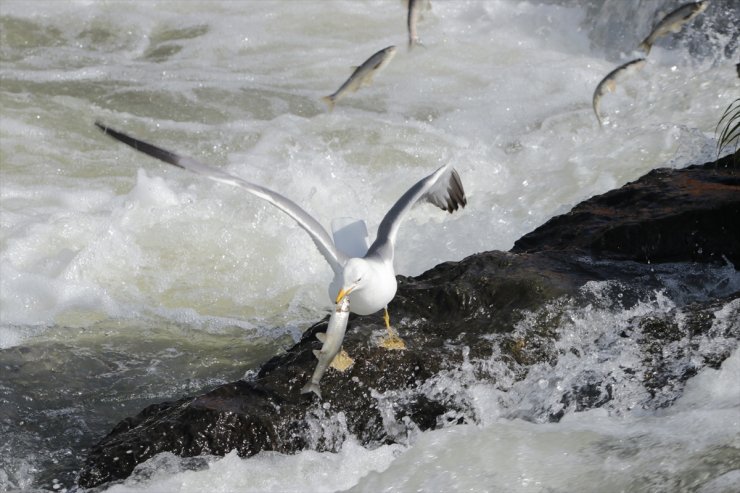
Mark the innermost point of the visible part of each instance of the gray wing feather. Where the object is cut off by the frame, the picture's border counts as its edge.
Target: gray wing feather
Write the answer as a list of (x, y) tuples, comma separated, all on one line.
[(442, 188), (317, 232)]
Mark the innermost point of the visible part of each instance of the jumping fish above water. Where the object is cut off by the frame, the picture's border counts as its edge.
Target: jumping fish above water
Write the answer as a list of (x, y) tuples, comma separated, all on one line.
[(362, 75), (673, 22), (332, 344), (414, 12), (609, 83)]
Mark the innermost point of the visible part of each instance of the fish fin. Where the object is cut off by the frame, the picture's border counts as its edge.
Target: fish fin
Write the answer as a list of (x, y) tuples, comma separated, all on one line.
[(645, 46), (329, 102), (321, 336), (311, 387), (317, 353), (365, 82)]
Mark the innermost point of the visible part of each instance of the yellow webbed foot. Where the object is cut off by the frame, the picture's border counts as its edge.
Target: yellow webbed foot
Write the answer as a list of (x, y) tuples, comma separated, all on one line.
[(342, 361), (393, 341)]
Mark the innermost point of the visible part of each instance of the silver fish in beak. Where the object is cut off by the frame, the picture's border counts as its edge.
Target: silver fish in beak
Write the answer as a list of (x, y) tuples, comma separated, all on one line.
[(332, 345)]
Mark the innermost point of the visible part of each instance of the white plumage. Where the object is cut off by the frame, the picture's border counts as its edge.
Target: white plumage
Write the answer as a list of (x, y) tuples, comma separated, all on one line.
[(364, 274)]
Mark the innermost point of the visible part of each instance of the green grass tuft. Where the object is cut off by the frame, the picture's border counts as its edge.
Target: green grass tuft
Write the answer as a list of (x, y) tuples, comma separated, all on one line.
[(730, 125)]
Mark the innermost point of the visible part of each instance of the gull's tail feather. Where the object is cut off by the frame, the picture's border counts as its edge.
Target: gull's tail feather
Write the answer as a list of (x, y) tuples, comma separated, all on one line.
[(350, 236)]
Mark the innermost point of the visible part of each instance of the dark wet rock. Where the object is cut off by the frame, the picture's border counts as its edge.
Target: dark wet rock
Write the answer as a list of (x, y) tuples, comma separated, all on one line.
[(509, 308), (688, 215)]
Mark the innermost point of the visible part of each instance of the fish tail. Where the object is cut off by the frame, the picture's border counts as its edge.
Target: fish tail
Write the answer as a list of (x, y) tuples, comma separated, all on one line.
[(329, 100), (312, 387), (598, 118), (596, 112), (415, 42)]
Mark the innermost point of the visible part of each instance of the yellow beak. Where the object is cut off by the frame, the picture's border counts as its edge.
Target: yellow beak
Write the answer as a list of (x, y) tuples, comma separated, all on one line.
[(342, 294)]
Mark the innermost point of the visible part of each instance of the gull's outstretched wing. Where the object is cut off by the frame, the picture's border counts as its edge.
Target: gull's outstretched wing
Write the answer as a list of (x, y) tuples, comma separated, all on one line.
[(442, 188), (317, 232)]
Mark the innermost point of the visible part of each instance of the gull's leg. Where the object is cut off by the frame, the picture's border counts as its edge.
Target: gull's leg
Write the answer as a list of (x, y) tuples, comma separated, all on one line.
[(393, 341)]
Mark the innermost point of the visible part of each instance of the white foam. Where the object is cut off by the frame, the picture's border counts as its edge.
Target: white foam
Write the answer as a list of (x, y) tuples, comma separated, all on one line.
[(267, 471), (91, 231), (626, 445), (716, 388), (628, 453), (506, 98)]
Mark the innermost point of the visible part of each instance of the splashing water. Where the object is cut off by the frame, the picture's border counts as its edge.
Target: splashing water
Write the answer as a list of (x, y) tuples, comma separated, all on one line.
[(123, 282)]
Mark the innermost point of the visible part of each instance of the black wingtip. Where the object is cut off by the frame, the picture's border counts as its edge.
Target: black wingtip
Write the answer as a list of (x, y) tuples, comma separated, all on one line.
[(141, 146), (456, 194)]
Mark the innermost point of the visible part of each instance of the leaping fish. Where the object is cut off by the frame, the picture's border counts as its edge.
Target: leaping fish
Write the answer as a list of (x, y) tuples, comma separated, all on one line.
[(414, 13), (673, 22), (362, 75), (609, 83), (332, 344)]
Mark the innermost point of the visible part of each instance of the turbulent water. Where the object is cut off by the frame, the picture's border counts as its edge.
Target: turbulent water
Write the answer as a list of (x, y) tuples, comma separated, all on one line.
[(124, 282)]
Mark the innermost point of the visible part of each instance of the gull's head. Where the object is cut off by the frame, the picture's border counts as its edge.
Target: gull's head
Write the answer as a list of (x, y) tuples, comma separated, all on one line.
[(355, 276)]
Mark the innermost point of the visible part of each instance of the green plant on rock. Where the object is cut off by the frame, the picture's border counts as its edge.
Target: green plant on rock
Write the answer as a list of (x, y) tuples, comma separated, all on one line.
[(730, 125)]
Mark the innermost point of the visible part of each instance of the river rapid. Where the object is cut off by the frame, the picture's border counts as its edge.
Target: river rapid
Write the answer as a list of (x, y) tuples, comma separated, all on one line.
[(126, 282)]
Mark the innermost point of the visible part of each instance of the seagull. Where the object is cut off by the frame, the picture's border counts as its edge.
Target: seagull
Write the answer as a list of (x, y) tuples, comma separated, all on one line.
[(368, 278)]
